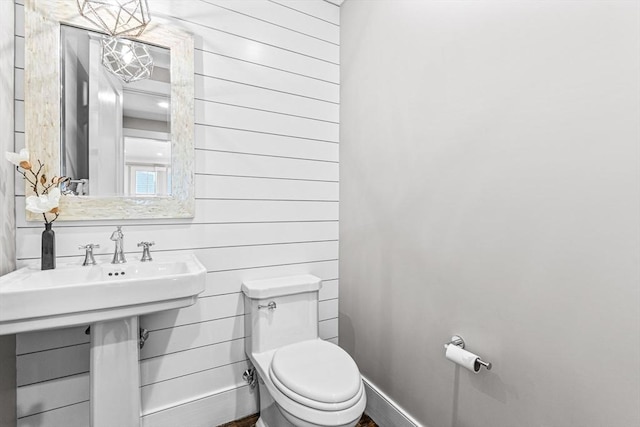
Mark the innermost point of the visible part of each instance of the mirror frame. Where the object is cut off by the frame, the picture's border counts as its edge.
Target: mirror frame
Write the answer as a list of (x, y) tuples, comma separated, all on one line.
[(42, 100)]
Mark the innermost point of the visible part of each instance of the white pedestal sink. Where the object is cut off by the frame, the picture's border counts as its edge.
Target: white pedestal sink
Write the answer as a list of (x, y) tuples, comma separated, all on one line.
[(109, 298)]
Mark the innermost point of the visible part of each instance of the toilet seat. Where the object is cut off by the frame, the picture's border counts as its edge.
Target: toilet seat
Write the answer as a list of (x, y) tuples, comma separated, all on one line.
[(327, 407), (301, 412), (317, 374)]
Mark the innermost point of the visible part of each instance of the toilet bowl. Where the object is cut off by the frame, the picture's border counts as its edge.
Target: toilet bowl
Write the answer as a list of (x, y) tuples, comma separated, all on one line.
[(303, 381)]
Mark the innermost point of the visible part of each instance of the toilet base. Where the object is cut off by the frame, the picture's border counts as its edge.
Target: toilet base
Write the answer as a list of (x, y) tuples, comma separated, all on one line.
[(271, 415)]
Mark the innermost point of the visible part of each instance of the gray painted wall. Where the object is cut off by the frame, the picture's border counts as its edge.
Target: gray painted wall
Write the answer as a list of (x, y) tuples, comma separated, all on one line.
[(490, 183), (7, 211)]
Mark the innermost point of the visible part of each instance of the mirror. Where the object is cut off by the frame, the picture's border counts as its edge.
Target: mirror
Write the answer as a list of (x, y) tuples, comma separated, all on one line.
[(128, 147), (116, 136)]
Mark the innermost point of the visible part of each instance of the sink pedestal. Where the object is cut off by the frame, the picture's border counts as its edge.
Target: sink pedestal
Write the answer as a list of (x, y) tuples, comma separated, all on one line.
[(115, 373)]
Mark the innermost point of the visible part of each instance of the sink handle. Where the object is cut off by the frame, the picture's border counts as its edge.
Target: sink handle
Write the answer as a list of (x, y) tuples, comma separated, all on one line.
[(146, 255), (88, 255)]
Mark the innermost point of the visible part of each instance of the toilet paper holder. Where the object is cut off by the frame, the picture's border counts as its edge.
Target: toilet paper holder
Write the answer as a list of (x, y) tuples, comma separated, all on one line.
[(458, 341)]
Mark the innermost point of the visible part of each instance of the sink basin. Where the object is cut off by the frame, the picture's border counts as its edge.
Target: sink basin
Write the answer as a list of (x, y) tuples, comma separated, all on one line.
[(32, 299)]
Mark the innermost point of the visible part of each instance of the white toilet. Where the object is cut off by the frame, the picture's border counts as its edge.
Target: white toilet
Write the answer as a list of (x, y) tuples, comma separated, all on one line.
[(303, 381)]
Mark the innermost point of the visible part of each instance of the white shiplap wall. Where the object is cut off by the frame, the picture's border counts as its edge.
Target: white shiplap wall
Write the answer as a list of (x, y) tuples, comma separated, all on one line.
[(7, 208), (267, 103)]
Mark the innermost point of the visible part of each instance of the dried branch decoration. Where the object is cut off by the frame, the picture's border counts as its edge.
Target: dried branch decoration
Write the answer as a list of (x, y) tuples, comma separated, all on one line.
[(47, 192)]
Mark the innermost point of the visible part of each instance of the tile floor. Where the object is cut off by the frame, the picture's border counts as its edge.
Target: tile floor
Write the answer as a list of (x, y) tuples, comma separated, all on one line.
[(250, 421)]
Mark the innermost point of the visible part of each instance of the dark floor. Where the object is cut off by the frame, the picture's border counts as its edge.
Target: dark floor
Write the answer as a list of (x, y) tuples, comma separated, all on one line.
[(250, 421)]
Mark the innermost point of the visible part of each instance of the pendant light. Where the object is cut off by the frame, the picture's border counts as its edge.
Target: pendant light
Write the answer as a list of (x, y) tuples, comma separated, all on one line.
[(126, 59), (117, 17)]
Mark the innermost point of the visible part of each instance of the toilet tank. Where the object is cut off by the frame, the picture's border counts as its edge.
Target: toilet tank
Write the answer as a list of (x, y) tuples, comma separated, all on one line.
[(292, 316)]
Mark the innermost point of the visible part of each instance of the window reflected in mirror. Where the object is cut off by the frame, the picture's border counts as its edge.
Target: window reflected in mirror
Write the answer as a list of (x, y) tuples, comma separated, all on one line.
[(147, 166)]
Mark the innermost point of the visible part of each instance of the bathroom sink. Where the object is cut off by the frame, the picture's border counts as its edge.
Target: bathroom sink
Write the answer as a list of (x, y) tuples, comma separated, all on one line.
[(33, 299), (109, 297)]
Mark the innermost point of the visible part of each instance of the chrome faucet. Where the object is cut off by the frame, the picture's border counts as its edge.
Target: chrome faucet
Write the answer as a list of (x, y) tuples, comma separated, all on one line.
[(88, 255), (146, 255), (118, 255)]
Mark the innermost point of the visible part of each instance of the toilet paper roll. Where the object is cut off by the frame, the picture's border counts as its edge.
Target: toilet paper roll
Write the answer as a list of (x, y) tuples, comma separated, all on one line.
[(463, 358)]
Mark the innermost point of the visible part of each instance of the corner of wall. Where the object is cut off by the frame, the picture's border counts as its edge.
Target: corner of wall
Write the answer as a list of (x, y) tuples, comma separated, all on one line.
[(7, 228), (384, 411)]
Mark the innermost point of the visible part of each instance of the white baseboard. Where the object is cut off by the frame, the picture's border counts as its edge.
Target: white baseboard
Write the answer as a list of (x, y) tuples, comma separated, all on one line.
[(241, 402), (384, 411), (209, 411)]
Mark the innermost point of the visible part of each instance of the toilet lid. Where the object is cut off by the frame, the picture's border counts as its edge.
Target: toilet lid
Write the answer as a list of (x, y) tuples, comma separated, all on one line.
[(316, 370)]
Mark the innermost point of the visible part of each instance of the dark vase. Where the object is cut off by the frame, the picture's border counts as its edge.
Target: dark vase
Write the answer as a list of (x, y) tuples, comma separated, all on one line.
[(48, 256)]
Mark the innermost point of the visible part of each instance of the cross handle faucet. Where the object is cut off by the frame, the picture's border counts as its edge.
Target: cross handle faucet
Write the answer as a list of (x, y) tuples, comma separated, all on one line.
[(88, 255), (146, 255)]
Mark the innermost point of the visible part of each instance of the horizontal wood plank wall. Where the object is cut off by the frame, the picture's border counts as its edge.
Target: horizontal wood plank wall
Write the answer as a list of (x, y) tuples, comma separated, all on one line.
[(267, 104)]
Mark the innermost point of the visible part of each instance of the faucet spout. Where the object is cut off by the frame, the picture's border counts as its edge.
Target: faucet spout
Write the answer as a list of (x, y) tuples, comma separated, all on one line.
[(118, 255)]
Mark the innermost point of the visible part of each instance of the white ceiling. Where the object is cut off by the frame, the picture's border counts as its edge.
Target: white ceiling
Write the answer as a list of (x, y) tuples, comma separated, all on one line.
[(147, 151)]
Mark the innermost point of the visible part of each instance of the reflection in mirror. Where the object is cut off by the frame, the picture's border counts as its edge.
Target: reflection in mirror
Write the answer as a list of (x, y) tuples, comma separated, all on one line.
[(115, 136)]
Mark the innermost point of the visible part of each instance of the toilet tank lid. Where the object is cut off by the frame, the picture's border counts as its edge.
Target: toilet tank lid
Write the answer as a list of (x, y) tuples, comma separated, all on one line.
[(278, 286)]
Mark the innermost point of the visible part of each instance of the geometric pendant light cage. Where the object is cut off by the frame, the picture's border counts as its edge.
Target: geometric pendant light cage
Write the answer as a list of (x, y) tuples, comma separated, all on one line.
[(117, 17), (126, 59)]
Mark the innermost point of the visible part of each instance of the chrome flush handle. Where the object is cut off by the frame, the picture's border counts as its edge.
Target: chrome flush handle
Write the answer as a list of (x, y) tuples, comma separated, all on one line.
[(271, 306)]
